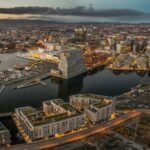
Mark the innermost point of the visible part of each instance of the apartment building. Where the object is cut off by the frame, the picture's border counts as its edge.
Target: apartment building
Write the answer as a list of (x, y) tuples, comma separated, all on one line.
[(57, 117), (97, 108)]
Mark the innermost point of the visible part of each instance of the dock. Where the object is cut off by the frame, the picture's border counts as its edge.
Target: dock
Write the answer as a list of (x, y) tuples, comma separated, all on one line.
[(32, 83), (126, 69), (33, 79)]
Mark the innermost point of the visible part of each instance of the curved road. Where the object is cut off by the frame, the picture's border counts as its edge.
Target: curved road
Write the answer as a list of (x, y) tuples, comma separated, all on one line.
[(78, 135)]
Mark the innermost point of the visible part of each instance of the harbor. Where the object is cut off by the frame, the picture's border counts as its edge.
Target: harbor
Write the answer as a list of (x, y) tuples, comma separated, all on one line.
[(19, 77), (99, 82), (36, 84)]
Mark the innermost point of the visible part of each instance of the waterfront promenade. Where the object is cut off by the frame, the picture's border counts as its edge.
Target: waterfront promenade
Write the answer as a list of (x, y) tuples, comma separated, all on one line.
[(126, 69)]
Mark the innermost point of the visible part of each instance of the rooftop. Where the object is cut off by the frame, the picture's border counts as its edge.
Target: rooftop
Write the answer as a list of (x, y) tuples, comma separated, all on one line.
[(102, 103), (96, 101), (28, 110), (38, 117), (64, 105), (94, 96)]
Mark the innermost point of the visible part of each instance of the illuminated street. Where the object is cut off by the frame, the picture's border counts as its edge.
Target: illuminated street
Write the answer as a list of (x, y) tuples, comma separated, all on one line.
[(74, 75), (77, 136)]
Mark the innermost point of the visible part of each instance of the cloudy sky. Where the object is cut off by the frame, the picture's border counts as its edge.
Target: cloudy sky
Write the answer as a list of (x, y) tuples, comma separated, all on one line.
[(143, 5)]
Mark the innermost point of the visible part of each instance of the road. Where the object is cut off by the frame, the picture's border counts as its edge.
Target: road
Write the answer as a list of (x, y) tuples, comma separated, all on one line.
[(77, 135)]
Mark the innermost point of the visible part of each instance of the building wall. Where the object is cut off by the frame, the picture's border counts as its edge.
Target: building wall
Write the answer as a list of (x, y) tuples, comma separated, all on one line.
[(142, 62), (45, 130), (47, 108), (71, 64), (81, 102), (100, 115)]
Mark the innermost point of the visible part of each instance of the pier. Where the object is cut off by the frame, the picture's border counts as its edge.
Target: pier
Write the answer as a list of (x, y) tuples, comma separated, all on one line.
[(32, 83)]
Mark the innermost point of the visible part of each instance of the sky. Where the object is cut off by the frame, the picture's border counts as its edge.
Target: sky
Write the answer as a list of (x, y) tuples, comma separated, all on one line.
[(142, 5)]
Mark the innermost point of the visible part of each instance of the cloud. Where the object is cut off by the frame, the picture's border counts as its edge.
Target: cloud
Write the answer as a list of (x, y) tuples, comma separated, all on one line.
[(77, 11)]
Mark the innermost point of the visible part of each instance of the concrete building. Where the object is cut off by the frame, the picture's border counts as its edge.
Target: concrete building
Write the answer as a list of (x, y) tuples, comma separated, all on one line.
[(119, 61), (57, 117), (97, 108), (4, 135), (71, 63), (142, 63), (118, 48), (52, 46), (42, 54)]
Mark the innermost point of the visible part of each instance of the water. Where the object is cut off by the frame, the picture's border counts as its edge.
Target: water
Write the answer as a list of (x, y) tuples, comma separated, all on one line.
[(9, 60), (69, 18), (103, 82)]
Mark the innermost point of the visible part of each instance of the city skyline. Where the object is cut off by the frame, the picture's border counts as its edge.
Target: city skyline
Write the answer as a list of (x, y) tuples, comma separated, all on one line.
[(141, 5), (74, 74)]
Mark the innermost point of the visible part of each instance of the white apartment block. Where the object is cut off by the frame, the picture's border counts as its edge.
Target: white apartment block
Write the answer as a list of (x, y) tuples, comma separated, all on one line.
[(56, 117), (97, 108)]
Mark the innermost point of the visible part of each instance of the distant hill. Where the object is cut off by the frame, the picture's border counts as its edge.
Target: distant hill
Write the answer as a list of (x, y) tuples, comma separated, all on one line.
[(78, 11)]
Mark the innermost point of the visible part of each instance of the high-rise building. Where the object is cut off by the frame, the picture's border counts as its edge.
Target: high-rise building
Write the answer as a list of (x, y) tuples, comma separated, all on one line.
[(71, 63)]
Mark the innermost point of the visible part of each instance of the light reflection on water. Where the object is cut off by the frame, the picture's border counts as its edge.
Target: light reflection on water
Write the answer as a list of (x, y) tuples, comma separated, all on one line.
[(103, 82), (69, 18)]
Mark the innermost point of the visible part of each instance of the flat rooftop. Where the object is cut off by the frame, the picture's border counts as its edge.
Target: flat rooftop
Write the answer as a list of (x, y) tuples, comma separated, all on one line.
[(38, 117), (94, 96), (64, 105), (102, 103)]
